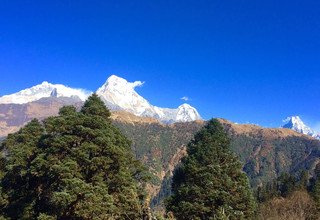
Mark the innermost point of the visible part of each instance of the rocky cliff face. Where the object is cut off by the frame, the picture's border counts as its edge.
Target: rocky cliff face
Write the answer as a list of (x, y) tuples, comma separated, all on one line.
[(14, 116)]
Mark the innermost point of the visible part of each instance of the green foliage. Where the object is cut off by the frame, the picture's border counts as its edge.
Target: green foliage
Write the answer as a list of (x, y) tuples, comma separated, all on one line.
[(156, 144), (266, 158), (209, 182), (73, 166), (287, 184), (283, 186)]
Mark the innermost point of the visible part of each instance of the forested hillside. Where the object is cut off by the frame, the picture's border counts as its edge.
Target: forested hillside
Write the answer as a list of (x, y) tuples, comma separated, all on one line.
[(265, 153)]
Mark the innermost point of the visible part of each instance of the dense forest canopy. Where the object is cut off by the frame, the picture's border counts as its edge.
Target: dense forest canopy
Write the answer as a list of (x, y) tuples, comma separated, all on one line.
[(73, 166)]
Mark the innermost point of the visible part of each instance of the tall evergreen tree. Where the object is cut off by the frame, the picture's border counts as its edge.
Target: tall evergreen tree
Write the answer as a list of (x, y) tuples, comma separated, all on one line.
[(75, 166), (286, 184), (209, 183)]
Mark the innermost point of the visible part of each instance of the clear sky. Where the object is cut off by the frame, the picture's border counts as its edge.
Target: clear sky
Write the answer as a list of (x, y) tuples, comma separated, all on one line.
[(247, 61)]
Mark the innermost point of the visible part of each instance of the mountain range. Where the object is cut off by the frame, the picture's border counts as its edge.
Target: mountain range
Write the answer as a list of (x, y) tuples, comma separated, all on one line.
[(159, 135), (116, 92), (45, 99)]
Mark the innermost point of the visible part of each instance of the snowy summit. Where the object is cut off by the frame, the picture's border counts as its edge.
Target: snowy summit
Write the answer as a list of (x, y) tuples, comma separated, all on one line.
[(116, 92), (43, 90), (119, 94), (295, 123)]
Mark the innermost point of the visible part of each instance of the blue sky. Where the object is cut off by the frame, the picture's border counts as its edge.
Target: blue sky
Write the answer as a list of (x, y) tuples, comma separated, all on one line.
[(247, 61)]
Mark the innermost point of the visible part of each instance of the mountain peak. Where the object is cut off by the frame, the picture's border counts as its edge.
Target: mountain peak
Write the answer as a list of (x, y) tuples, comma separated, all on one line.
[(45, 83), (114, 80), (187, 113), (119, 94), (185, 105), (295, 123), (45, 89), (118, 83)]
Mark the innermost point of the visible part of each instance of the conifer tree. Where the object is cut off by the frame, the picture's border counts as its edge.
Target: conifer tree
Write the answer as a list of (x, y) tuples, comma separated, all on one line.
[(75, 166), (209, 182)]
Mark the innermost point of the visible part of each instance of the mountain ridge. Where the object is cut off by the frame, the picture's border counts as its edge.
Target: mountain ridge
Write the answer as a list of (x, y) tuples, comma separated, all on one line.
[(116, 92), (45, 89)]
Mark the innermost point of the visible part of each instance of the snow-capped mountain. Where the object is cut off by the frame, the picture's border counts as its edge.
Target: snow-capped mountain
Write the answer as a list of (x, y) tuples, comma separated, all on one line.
[(120, 94), (43, 90), (116, 92), (295, 123)]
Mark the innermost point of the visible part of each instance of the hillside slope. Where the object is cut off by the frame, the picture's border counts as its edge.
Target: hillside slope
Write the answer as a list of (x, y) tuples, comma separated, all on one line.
[(268, 152), (264, 152)]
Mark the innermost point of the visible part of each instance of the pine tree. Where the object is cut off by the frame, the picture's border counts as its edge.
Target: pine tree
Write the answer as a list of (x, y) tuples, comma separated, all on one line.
[(209, 182), (17, 183), (75, 166), (286, 184), (304, 179)]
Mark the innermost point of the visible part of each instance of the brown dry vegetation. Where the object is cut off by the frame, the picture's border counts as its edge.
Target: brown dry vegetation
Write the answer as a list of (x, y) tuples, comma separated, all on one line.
[(266, 133), (127, 117), (298, 206)]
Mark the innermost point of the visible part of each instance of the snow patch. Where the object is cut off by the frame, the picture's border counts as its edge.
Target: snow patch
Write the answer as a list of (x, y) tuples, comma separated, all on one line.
[(118, 93), (295, 123), (43, 90)]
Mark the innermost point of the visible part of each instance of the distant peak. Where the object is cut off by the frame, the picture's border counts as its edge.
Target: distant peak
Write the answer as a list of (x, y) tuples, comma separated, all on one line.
[(295, 123), (119, 84), (120, 94), (45, 89), (295, 118), (185, 105), (45, 83), (114, 78)]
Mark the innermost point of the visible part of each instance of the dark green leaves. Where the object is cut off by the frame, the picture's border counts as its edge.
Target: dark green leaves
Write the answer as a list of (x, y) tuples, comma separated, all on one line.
[(73, 166), (209, 182)]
